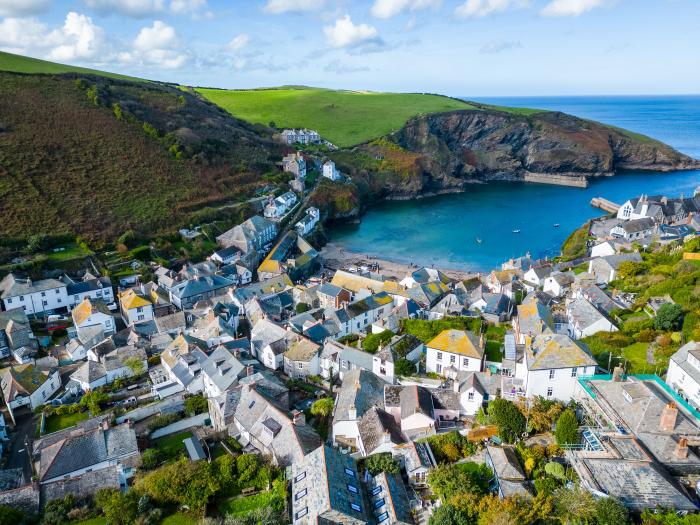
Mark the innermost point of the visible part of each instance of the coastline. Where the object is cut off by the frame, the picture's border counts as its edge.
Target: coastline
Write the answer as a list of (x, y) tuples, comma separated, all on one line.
[(337, 257)]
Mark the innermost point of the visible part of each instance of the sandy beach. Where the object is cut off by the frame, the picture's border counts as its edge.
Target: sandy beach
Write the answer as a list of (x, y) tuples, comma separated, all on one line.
[(337, 257)]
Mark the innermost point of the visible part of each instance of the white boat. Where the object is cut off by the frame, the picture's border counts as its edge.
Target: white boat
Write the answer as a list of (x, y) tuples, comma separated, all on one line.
[(478, 240), (516, 231)]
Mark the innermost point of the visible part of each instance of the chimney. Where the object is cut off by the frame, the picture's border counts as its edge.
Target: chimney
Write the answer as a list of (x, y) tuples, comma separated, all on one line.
[(667, 422), (387, 436), (105, 424), (357, 383), (681, 451), (237, 353), (298, 418), (352, 412), (249, 370), (455, 386), (617, 374)]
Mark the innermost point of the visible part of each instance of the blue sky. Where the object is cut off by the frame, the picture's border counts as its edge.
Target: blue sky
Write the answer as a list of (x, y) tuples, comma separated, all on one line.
[(455, 47)]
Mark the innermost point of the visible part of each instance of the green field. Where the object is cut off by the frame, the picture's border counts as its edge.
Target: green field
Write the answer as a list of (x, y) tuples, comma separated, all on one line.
[(22, 64), (55, 423), (345, 118)]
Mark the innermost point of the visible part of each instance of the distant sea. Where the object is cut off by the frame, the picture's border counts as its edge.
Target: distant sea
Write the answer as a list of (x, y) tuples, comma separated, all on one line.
[(443, 231)]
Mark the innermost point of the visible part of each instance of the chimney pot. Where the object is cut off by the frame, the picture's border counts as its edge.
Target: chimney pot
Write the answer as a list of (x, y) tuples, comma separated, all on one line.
[(667, 421), (352, 412), (681, 451), (249, 370), (298, 418)]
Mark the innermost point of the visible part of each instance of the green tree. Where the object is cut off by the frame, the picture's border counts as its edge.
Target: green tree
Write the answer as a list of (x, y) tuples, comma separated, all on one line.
[(658, 517), (37, 242), (404, 367), (567, 428), (196, 404), (136, 365), (449, 515), (629, 269), (301, 308), (377, 463), (119, 508), (575, 505), (542, 413), (669, 317), (247, 466), (609, 511), (372, 342), (509, 420), (93, 401), (322, 407), (190, 483), (150, 458), (448, 480), (10, 516)]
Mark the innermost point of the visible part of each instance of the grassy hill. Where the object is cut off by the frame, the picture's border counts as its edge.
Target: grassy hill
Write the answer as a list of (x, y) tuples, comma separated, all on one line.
[(345, 118), (22, 64), (97, 156)]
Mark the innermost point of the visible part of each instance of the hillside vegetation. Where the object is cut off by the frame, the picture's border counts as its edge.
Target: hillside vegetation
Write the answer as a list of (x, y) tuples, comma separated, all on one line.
[(98, 156), (345, 118), (22, 64)]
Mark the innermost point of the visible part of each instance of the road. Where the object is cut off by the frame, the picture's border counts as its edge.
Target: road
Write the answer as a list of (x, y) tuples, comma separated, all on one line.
[(21, 437)]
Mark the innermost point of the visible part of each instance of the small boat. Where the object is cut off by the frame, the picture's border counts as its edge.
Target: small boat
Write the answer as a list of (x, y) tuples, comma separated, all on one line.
[(556, 225), (478, 240), (516, 231)]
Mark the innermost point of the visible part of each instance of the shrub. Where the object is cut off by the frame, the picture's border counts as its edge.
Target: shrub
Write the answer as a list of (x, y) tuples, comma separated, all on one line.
[(163, 420), (646, 335), (404, 367), (609, 511), (669, 317), (196, 404), (377, 463), (509, 420), (556, 470), (150, 458), (301, 308), (118, 507), (247, 466), (567, 428), (372, 342)]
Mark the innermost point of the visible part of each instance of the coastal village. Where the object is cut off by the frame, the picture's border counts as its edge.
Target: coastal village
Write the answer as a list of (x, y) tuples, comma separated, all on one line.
[(265, 382)]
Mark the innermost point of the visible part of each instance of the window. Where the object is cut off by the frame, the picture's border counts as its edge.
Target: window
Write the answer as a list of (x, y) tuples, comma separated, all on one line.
[(465, 361), (551, 374), (439, 356), (300, 366), (352, 488), (574, 372), (9, 300), (58, 300), (76, 298), (470, 396), (376, 490), (438, 369), (299, 476), (300, 514), (382, 517), (44, 303), (550, 391), (379, 503), (349, 472), (300, 494), (43, 294), (139, 309), (355, 507), (141, 317), (453, 358), (58, 291)]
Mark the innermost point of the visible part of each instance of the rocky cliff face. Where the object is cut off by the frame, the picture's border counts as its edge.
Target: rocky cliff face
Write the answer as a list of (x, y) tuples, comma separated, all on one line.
[(466, 146)]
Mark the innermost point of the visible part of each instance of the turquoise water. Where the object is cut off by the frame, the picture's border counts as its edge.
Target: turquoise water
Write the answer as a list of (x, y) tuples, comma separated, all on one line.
[(443, 230)]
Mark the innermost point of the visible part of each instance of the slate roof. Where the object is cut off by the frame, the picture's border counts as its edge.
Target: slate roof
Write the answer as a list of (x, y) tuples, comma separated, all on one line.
[(427, 294), (368, 303), (548, 351), (392, 500), (361, 389), (271, 285), (505, 463), (415, 399), (457, 342), (375, 426), (89, 372), (22, 380), (638, 225), (200, 286), (222, 368), (302, 350), (12, 286), (534, 318), (89, 285), (355, 282), (265, 333), (171, 322), (583, 313), (85, 449), (329, 289)]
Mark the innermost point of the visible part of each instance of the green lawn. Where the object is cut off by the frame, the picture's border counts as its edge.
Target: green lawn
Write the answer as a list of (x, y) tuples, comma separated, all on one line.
[(636, 355), (70, 251), (171, 446), (345, 118), (55, 423), (240, 505), (179, 518), (22, 64), (99, 520), (493, 351)]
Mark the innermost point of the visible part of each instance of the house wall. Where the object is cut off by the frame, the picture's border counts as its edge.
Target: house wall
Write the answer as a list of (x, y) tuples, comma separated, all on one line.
[(563, 384), (682, 383), (139, 315), (437, 360), (471, 401), (383, 369), (101, 319), (417, 423), (308, 368), (601, 325), (39, 302), (346, 431), (105, 295), (270, 360)]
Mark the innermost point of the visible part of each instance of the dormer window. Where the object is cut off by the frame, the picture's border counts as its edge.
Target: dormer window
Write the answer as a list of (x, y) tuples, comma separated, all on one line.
[(352, 488), (355, 507), (349, 472)]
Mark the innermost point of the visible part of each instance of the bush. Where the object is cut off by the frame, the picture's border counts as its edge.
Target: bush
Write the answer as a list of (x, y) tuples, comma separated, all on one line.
[(404, 367), (196, 404), (567, 428), (377, 463), (372, 342), (150, 458), (163, 420), (247, 466), (119, 508), (447, 481), (609, 511), (185, 482), (301, 308), (669, 317), (509, 420), (556, 470)]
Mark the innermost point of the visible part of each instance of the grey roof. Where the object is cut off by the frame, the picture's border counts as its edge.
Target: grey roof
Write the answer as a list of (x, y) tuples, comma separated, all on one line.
[(415, 399), (12, 285), (89, 285), (614, 261), (392, 499), (85, 449), (375, 426), (200, 286), (361, 389), (548, 351), (416, 455), (680, 357), (88, 372), (326, 475), (118, 357), (171, 322), (505, 463), (194, 449), (329, 289), (583, 313), (222, 368), (265, 333), (638, 225), (599, 298)]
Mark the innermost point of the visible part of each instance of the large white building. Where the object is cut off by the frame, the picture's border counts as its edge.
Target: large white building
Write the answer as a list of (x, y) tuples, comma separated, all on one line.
[(585, 319), (28, 386), (454, 349), (34, 297), (330, 171), (684, 373)]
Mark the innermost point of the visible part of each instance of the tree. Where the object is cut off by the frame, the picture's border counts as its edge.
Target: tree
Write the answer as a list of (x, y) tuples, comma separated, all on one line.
[(556, 470), (377, 463), (301, 308), (609, 511), (542, 413), (567, 428), (404, 367), (448, 515), (509, 420), (575, 505), (247, 465), (669, 317), (196, 404), (190, 483), (322, 407), (451, 480), (372, 342), (135, 365), (37, 242), (150, 458), (93, 401), (629, 269), (118, 507), (10, 516)]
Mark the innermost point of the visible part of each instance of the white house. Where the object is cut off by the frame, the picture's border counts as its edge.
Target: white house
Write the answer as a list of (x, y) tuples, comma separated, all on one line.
[(302, 136), (602, 249), (585, 319), (302, 359), (330, 171), (28, 386), (605, 268), (308, 222), (221, 371), (182, 363), (34, 297), (551, 366), (536, 275), (683, 374), (400, 347), (358, 317), (360, 391), (557, 283), (269, 342), (295, 164), (226, 256), (90, 287), (279, 206), (634, 230), (88, 315), (455, 349), (135, 308)]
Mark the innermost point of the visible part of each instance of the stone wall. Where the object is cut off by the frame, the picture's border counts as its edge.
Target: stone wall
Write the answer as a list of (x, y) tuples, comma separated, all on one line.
[(25, 498)]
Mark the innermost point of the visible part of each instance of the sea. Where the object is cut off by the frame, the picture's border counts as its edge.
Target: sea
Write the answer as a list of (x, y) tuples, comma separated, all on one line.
[(444, 231)]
